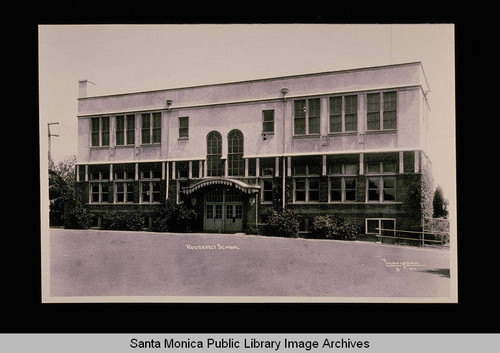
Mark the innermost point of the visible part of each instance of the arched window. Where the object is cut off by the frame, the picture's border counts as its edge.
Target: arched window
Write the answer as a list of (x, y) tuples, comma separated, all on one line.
[(215, 167), (236, 165)]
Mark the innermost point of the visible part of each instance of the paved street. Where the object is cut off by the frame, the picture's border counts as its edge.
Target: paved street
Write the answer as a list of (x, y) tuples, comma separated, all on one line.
[(111, 263)]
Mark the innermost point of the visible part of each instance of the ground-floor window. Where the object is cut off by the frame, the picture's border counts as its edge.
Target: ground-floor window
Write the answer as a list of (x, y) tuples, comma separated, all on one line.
[(381, 188), (99, 193), (124, 192), (267, 190), (306, 189), (99, 187), (342, 189), (150, 186), (380, 226), (124, 187)]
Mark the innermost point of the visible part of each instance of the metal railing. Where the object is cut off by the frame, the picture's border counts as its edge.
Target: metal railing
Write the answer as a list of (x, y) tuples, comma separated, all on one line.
[(421, 236)]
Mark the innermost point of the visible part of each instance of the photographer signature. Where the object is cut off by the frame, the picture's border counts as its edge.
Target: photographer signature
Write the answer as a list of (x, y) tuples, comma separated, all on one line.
[(406, 265)]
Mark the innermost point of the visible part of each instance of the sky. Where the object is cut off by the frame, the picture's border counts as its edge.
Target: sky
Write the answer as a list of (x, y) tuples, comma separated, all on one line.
[(130, 58)]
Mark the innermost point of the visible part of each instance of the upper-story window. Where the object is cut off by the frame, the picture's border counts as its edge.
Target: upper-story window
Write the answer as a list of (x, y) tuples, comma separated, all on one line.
[(381, 111), (215, 166), (125, 129), (236, 164), (306, 116), (151, 128), (344, 113), (268, 121), (183, 127), (100, 131)]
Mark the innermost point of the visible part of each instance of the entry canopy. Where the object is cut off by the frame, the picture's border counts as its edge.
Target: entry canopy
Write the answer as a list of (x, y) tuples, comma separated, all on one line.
[(237, 184)]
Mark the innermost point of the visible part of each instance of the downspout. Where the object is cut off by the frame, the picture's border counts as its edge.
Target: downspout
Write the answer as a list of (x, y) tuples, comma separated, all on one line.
[(284, 91), (257, 210), (167, 171)]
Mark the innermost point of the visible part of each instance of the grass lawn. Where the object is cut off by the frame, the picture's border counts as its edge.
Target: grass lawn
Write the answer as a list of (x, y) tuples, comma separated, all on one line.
[(111, 263)]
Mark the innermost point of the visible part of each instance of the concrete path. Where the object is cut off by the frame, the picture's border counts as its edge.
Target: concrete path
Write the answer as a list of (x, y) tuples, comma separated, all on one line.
[(110, 263)]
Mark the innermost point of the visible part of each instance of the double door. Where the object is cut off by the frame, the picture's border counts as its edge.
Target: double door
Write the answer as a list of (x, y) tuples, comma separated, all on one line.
[(223, 211)]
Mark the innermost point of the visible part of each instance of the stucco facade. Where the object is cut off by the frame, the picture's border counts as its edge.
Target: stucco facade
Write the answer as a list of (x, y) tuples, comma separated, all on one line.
[(349, 142)]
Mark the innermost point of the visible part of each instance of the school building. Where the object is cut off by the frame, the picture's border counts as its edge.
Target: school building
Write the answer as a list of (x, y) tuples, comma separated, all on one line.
[(348, 142)]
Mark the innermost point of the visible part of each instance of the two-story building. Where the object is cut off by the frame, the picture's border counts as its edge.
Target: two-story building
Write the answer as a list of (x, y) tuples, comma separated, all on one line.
[(347, 142)]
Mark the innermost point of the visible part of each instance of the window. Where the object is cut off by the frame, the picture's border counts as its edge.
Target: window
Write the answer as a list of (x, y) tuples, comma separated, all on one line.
[(195, 169), (218, 211), (381, 111), (183, 127), (267, 166), (234, 211), (380, 226), (343, 182), (299, 120), (267, 190), (215, 165), (314, 113), (100, 131), (181, 184), (124, 187), (306, 116), (125, 130), (268, 121), (306, 182), (344, 113), (381, 181), (389, 116), (236, 164), (99, 187), (373, 111), (151, 128), (150, 186), (182, 169)]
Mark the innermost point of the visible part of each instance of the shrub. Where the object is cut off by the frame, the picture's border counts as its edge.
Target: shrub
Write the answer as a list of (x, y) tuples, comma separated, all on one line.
[(253, 230), (334, 227), (185, 217), (79, 218), (123, 220), (172, 217), (282, 223)]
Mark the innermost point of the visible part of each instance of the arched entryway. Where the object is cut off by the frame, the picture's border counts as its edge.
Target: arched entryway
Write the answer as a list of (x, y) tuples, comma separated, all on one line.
[(225, 203)]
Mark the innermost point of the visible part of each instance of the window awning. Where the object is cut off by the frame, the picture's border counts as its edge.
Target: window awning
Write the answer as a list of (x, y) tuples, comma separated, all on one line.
[(237, 184)]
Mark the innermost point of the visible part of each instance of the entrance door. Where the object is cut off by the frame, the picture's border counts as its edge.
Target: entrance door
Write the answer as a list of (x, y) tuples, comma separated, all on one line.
[(213, 217), (223, 211)]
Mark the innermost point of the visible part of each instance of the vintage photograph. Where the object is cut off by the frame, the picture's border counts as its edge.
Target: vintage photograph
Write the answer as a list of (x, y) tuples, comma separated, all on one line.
[(248, 163)]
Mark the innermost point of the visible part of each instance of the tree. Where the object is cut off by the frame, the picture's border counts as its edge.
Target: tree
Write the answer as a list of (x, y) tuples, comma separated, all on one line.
[(439, 204), (62, 184)]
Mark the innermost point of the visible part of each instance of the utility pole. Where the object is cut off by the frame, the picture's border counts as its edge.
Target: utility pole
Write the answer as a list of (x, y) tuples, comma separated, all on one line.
[(50, 135)]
